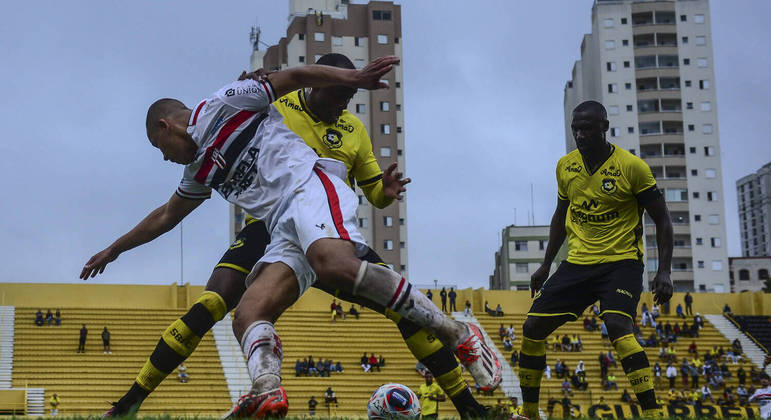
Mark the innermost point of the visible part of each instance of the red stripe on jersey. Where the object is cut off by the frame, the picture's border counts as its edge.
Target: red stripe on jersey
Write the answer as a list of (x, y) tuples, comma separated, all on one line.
[(223, 135), (396, 295), (267, 90), (197, 110), (334, 204)]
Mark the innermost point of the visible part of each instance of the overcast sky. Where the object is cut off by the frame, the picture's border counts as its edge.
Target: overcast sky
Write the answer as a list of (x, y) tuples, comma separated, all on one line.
[(483, 86)]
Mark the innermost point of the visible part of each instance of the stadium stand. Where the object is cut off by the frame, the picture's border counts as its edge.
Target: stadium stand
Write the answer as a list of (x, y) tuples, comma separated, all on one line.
[(46, 357), (758, 327)]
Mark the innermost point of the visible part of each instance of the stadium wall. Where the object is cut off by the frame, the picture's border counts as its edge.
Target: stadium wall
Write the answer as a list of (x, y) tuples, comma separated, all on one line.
[(81, 295)]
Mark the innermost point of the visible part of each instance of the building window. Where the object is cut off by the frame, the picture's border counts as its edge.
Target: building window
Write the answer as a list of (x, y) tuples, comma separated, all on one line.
[(608, 23), (388, 244), (691, 127), (385, 152), (623, 21), (694, 172), (382, 39), (704, 84), (683, 18), (610, 44), (361, 199), (361, 108), (701, 40), (337, 41), (706, 128), (706, 106), (521, 267), (627, 86), (689, 105), (692, 149), (520, 245), (398, 107), (715, 242), (301, 59), (701, 62), (697, 218), (398, 129), (388, 221), (542, 244), (612, 88), (700, 264), (763, 274), (687, 83), (615, 132), (381, 15), (699, 241), (613, 110), (686, 61), (610, 66), (709, 151), (385, 128), (398, 84), (399, 152), (626, 64), (695, 194), (625, 42), (401, 221), (685, 40), (717, 265), (744, 274), (402, 245), (363, 222), (630, 130), (385, 106), (357, 41), (318, 36), (712, 196), (698, 18), (629, 108), (396, 40), (710, 173)]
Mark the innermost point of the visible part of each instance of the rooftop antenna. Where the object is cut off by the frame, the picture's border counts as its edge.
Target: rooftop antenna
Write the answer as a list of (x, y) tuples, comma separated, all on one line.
[(532, 206), (254, 37)]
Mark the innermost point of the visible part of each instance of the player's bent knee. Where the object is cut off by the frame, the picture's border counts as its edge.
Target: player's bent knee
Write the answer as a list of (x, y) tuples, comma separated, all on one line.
[(618, 325), (531, 328)]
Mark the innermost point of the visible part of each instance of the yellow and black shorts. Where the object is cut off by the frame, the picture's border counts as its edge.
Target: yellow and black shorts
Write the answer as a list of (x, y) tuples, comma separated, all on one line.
[(573, 287), (250, 245)]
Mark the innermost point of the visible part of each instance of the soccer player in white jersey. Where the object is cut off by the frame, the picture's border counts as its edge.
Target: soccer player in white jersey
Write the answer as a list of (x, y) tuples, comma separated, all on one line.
[(763, 397), (236, 143)]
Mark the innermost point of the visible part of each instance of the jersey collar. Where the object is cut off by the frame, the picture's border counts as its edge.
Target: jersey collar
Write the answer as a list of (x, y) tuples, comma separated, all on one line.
[(305, 107), (612, 150)]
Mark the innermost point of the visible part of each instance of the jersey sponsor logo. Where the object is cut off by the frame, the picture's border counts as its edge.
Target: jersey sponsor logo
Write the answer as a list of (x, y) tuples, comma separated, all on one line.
[(237, 244), (588, 205), (218, 159), (290, 104), (244, 175), (574, 167), (243, 90), (579, 217), (332, 139), (611, 171), (341, 124), (216, 126), (641, 379), (608, 185), (625, 292)]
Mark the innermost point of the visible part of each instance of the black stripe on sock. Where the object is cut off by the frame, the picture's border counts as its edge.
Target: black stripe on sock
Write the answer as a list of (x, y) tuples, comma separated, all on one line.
[(532, 362), (164, 358), (647, 399), (440, 362), (404, 298), (407, 328), (530, 394), (634, 362), (198, 319)]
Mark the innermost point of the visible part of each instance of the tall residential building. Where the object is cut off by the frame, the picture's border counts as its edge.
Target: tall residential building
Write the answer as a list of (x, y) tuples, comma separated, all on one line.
[(651, 64), (753, 195), (362, 32), (522, 251)]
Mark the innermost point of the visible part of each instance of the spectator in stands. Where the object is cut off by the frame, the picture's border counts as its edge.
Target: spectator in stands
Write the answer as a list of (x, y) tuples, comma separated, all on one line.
[(312, 370), (498, 310), (106, 341), (330, 397), (694, 372), (39, 320), (587, 324), (333, 310), (729, 399), (698, 320), (312, 403), (49, 317), (298, 368), (655, 313), (54, 401), (724, 370), (716, 380), (676, 330), (594, 325), (515, 359), (737, 346), (727, 310), (595, 310), (430, 295), (546, 370), (603, 359), (685, 370), (488, 309), (604, 331), (694, 330), (421, 369), (555, 342), (58, 318), (741, 375), (339, 367), (560, 369), (665, 308), (742, 393), (507, 344), (82, 339), (706, 393), (452, 295), (443, 296), (365, 366), (625, 397), (565, 344), (182, 374), (502, 331), (657, 375), (467, 309), (510, 332), (612, 382), (321, 368), (580, 368), (688, 299), (373, 362), (353, 311), (644, 308), (566, 390), (671, 375), (679, 311), (652, 341)]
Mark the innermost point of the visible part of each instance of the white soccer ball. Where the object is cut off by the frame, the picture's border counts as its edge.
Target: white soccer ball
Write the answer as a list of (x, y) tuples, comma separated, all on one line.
[(393, 402)]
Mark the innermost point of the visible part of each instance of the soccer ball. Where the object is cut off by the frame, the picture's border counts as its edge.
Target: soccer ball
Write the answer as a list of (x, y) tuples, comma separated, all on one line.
[(393, 402)]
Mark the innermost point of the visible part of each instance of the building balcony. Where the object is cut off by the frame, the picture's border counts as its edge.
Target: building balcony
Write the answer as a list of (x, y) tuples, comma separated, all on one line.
[(651, 94), (645, 28), (664, 160), (662, 115), (647, 72), (661, 138), (677, 228)]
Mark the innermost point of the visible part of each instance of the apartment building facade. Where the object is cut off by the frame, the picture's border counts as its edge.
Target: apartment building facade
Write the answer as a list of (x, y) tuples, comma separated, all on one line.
[(362, 32), (753, 196), (520, 255), (650, 62)]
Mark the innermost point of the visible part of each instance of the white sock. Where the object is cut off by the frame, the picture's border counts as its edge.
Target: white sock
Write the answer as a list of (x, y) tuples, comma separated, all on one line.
[(263, 353), (388, 288)]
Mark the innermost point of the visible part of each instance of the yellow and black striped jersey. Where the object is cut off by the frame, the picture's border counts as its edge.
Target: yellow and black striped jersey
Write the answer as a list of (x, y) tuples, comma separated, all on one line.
[(604, 220), (346, 140)]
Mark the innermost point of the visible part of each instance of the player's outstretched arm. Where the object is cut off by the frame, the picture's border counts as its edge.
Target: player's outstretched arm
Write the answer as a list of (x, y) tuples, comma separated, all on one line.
[(316, 75), (557, 235), (662, 283), (158, 222)]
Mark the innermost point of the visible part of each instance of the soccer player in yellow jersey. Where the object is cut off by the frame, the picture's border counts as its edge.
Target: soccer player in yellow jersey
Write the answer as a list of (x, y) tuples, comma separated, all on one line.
[(430, 395), (319, 116), (602, 193)]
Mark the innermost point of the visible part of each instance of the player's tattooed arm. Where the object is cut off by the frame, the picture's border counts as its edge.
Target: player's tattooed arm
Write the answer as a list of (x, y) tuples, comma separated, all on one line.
[(314, 75), (158, 222), (557, 234), (662, 283)]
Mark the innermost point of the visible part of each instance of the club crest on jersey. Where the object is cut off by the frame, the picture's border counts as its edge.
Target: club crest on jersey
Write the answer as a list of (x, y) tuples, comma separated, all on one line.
[(608, 185), (332, 138), (218, 159)]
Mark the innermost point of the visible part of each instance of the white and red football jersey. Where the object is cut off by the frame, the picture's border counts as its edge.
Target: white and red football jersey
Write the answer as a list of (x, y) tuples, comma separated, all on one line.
[(246, 153), (763, 397)]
